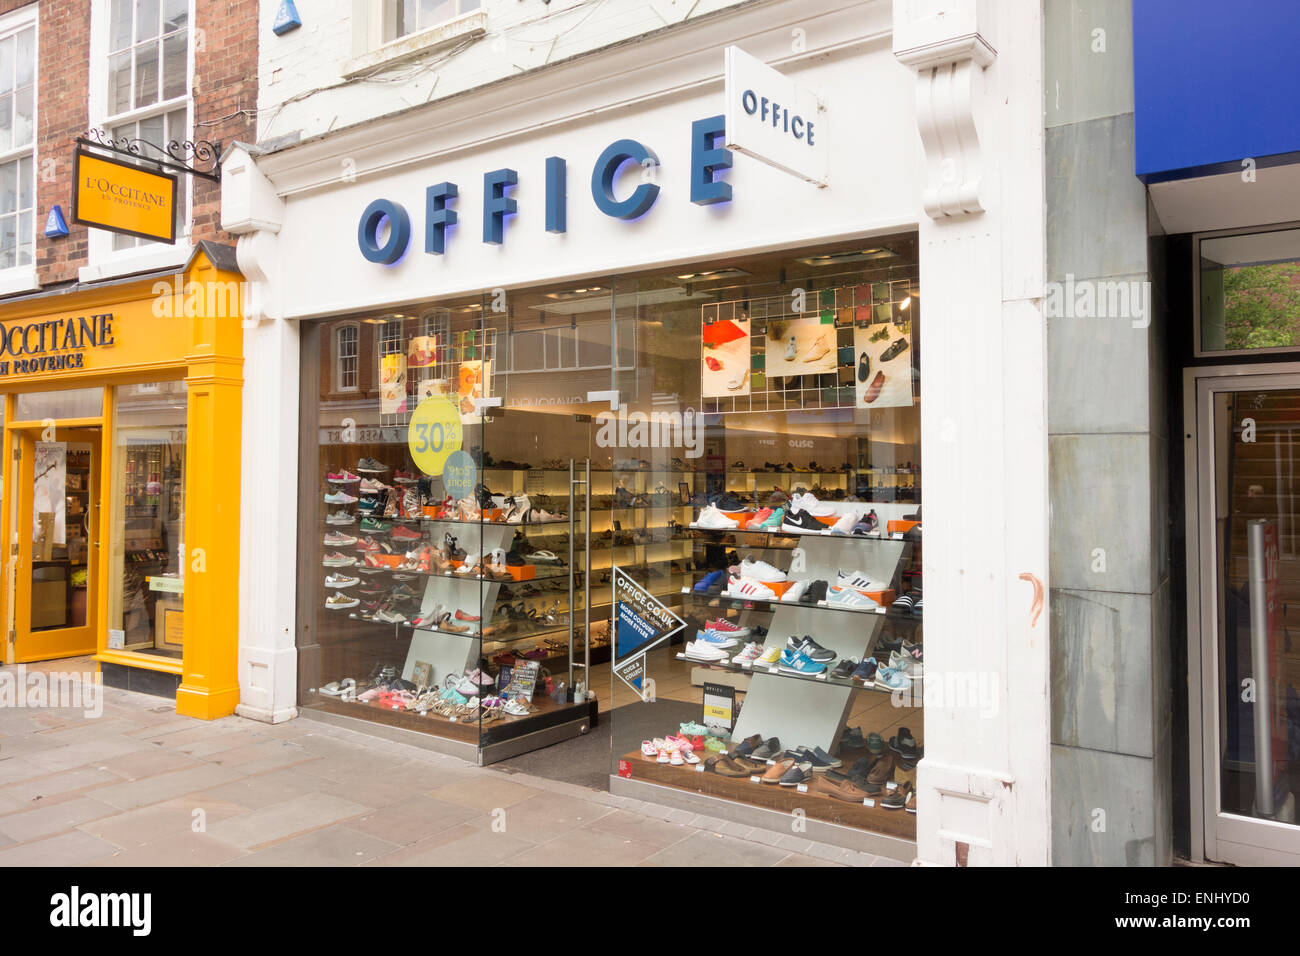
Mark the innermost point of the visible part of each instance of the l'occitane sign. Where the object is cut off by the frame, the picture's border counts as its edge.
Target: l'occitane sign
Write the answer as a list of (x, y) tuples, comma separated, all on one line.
[(123, 198)]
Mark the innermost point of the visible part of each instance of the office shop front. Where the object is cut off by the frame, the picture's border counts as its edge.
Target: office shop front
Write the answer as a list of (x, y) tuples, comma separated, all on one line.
[(614, 321), (121, 495)]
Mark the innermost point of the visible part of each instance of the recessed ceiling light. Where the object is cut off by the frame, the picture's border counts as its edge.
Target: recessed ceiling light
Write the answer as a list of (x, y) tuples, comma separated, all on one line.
[(715, 274), (839, 258)]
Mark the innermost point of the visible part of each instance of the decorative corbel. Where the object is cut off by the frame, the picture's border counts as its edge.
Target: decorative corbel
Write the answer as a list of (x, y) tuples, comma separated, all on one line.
[(947, 50)]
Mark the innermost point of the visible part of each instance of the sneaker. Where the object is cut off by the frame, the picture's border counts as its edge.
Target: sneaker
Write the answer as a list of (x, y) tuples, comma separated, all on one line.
[(723, 626), (870, 523), (905, 745), (808, 502), (372, 466), (795, 592), (340, 581), (768, 749), (371, 487), (845, 525), (900, 798), (844, 669), (403, 533), (709, 581), (375, 526), (343, 477), (814, 594), (341, 517), (769, 656), (715, 639), (702, 651), (774, 521), (760, 571), (337, 539), (755, 590), (858, 581), (729, 503), (866, 672), (340, 497), (748, 654), (802, 522), (907, 665), (811, 649), (338, 560), (890, 678), (849, 598), (756, 522), (795, 663), (338, 601), (712, 518), (403, 477)]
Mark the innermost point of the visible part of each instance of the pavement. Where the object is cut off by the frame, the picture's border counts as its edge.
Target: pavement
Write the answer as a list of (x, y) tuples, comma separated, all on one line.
[(139, 786)]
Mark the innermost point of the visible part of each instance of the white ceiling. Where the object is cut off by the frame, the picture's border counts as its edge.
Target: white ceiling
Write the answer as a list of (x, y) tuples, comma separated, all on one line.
[(1226, 202)]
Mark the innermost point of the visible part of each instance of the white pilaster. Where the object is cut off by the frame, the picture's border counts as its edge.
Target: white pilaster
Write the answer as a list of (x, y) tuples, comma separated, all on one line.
[(983, 784), (268, 660)]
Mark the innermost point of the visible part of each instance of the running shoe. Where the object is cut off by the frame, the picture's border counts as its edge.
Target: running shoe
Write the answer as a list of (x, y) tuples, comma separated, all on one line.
[(340, 497), (802, 522), (795, 663), (760, 571), (713, 519), (756, 590), (340, 581), (343, 477), (849, 598)]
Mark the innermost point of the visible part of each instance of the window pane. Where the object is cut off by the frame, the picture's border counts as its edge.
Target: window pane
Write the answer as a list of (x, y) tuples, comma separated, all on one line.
[(26, 183), (26, 238), (25, 65), (8, 241), (146, 20), (119, 83), (9, 188), (174, 65), (67, 403), (176, 15), (6, 121), (119, 28), (152, 130), (24, 127), (6, 64), (1250, 291), (147, 511), (146, 75)]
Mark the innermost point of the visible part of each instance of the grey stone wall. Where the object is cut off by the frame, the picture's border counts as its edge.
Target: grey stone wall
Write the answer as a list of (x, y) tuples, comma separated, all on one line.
[(1108, 455)]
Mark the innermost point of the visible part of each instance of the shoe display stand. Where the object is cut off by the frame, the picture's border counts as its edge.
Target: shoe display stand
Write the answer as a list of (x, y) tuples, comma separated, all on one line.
[(813, 710), (807, 710)]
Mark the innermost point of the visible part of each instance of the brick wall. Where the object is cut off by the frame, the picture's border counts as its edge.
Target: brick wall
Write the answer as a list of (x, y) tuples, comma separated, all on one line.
[(225, 97)]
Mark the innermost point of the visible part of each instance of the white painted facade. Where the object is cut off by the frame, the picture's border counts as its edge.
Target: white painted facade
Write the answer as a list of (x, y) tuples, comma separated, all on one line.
[(935, 125)]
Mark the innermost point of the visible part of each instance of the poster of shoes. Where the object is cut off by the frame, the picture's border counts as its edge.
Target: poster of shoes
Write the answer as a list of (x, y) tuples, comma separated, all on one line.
[(883, 371), (471, 383), (392, 384), (724, 369), (800, 347)]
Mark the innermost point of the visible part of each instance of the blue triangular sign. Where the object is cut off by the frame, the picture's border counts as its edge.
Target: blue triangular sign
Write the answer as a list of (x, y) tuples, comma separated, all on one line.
[(286, 19), (55, 224)]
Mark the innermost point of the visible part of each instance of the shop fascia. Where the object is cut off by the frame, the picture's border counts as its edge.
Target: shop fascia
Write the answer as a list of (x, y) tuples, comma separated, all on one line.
[(54, 345), (707, 160)]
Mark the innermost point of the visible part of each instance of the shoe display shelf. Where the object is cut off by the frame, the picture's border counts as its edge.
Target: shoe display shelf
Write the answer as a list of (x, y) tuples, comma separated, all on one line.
[(810, 710)]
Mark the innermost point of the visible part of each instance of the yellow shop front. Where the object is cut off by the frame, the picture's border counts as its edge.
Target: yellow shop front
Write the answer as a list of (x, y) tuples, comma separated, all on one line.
[(120, 493)]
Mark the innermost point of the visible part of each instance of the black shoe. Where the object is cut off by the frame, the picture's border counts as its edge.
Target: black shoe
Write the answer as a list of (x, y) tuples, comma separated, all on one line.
[(894, 350), (864, 368), (799, 773), (815, 593), (811, 649), (844, 669), (802, 522), (729, 502)]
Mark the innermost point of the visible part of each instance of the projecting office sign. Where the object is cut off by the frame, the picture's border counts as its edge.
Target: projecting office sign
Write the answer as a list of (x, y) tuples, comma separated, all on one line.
[(774, 119), (119, 197)]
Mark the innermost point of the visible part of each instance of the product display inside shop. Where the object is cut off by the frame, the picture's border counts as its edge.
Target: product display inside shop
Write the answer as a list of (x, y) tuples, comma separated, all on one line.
[(685, 504)]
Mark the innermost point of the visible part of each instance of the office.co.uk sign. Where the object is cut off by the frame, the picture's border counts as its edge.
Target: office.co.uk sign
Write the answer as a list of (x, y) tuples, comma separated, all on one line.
[(707, 159)]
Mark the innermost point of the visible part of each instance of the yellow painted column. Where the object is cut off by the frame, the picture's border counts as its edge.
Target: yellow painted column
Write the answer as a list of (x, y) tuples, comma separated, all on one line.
[(209, 680)]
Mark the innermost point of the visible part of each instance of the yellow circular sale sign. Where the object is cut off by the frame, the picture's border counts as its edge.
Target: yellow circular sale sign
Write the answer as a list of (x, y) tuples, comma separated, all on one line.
[(434, 433)]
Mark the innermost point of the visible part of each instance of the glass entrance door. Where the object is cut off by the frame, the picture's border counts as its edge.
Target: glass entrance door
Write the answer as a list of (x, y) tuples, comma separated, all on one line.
[(56, 519), (1249, 559)]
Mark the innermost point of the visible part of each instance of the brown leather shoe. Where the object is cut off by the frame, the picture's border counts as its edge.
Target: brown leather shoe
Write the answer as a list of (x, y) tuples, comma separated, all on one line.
[(725, 767), (777, 770), (838, 786)]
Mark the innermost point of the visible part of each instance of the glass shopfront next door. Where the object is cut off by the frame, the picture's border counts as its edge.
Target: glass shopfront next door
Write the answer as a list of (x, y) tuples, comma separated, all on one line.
[(1246, 595), (55, 514)]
